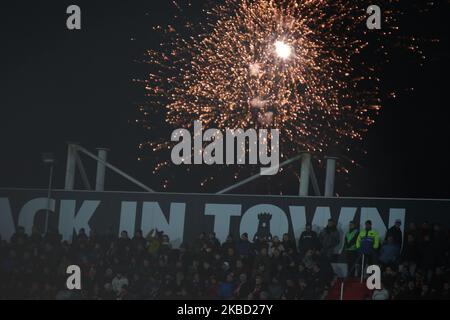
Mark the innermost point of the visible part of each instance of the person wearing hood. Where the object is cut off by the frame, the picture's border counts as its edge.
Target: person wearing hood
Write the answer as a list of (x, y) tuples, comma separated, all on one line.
[(329, 238)]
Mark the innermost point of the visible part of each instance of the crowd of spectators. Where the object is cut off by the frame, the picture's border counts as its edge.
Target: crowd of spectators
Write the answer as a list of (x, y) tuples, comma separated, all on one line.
[(147, 267), (414, 265), (419, 266), (34, 267)]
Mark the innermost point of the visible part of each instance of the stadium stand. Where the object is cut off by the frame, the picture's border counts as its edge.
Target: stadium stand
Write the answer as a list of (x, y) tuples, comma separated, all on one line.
[(34, 267)]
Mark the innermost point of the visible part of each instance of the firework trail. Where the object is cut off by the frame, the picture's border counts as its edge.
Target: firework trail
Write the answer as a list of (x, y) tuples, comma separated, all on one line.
[(300, 66)]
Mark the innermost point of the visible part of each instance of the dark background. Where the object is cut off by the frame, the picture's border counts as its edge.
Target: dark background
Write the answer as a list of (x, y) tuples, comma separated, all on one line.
[(59, 85)]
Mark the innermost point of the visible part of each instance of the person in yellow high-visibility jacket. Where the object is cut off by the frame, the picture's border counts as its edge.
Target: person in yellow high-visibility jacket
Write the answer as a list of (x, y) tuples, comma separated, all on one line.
[(368, 243)]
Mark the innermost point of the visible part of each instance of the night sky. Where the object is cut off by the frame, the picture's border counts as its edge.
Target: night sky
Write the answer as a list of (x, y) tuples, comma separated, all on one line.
[(59, 85)]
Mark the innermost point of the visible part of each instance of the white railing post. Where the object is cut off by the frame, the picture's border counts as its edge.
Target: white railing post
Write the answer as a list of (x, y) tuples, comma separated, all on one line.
[(330, 176), (304, 174), (101, 169), (362, 269), (69, 183)]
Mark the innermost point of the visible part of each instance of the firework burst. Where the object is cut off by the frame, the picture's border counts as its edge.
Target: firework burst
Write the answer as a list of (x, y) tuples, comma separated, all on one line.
[(297, 66)]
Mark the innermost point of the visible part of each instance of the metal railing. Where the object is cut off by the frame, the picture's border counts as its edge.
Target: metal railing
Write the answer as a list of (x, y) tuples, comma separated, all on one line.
[(351, 271), (74, 161)]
